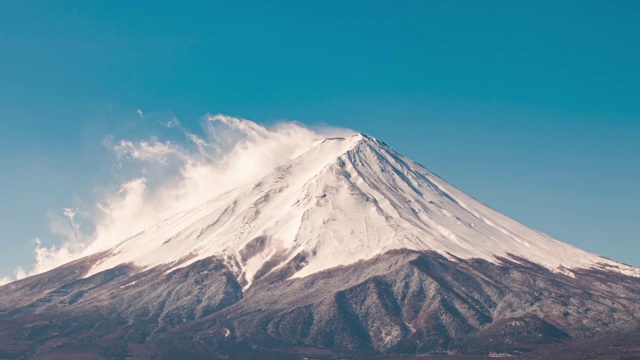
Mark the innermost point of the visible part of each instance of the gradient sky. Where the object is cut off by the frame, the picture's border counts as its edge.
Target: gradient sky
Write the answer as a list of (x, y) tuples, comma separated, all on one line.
[(532, 107)]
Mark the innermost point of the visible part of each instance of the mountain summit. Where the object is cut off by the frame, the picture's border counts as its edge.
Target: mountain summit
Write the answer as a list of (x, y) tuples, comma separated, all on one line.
[(346, 249)]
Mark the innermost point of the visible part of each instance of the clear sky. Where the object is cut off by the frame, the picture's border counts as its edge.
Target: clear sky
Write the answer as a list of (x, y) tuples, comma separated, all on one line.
[(532, 107)]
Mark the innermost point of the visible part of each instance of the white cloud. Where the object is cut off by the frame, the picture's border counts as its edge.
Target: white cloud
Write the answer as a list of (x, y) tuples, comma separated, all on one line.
[(20, 273), (70, 214), (140, 113), (169, 177), (198, 142), (172, 123), (17, 275), (152, 150)]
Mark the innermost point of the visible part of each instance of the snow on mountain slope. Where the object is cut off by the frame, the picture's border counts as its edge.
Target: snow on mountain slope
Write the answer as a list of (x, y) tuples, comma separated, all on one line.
[(343, 200)]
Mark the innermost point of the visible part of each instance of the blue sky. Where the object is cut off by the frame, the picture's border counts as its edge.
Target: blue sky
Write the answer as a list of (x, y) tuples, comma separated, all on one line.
[(532, 107)]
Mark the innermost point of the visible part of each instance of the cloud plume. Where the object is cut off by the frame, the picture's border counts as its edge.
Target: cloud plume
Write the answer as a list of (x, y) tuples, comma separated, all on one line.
[(167, 177)]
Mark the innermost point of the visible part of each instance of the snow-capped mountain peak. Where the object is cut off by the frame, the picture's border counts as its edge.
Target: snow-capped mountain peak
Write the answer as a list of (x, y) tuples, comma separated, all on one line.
[(344, 199)]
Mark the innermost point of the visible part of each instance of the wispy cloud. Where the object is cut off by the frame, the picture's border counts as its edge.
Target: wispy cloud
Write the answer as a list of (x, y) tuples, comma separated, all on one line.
[(148, 150), (172, 123), (18, 274), (166, 177)]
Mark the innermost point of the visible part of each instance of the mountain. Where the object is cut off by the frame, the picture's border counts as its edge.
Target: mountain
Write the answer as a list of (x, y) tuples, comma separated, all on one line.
[(347, 250), (344, 200)]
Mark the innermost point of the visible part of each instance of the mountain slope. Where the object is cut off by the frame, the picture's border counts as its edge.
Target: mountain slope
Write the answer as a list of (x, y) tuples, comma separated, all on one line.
[(401, 302)]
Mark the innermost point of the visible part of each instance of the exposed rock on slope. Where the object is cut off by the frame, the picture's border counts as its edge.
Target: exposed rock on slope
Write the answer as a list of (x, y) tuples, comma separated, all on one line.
[(401, 302)]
